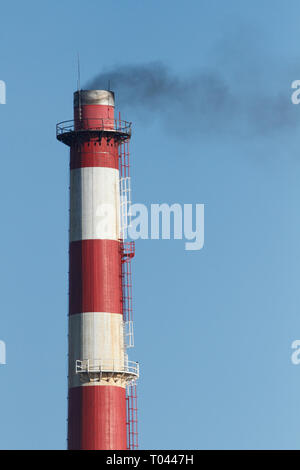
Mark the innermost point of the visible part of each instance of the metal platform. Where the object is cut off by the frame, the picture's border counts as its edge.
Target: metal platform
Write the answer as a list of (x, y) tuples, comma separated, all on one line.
[(97, 367), (93, 128)]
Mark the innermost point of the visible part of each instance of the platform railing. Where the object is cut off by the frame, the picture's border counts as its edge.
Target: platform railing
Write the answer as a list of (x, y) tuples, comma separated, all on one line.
[(99, 366), (93, 124)]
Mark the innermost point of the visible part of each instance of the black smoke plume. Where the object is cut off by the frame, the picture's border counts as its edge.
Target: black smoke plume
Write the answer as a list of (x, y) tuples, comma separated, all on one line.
[(202, 102)]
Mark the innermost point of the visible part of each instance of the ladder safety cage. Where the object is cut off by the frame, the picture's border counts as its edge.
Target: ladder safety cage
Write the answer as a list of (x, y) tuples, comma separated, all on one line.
[(125, 187), (125, 205), (127, 253)]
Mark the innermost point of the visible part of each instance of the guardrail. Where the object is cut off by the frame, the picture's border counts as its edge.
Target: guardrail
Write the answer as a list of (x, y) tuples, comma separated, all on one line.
[(93, 124), (99, 366)]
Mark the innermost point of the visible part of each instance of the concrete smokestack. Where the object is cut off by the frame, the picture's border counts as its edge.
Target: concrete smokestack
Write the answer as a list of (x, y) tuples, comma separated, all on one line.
[(99, 370)]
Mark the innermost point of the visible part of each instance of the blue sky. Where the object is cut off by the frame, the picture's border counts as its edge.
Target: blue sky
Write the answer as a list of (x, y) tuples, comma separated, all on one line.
[(213, 328)]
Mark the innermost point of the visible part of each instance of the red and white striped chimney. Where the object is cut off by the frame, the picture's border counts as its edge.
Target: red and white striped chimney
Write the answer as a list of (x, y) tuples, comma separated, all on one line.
[(99, 370)]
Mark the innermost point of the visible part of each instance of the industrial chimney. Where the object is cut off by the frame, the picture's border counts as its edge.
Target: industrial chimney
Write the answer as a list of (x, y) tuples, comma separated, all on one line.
[(102, 412)]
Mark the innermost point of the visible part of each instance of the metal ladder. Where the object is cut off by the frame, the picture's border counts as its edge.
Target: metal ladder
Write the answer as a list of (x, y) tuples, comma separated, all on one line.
[(132, 423)]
